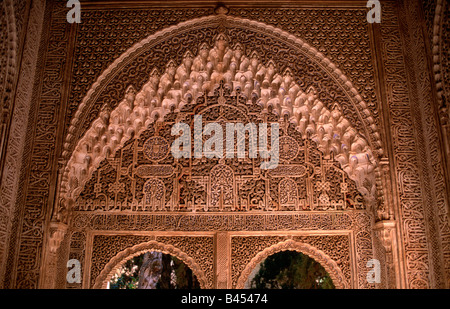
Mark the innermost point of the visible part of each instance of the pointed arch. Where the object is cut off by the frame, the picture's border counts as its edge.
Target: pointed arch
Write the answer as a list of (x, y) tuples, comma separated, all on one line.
[(357, 152), (331, 267), (116, 262)]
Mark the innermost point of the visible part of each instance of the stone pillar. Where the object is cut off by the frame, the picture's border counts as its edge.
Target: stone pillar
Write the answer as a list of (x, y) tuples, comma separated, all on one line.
[(384, 210), (222, 261), (385, 231), (49, 273)]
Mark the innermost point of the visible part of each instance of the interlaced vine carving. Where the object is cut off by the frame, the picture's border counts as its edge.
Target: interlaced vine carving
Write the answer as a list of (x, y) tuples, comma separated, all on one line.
[(254, 93)]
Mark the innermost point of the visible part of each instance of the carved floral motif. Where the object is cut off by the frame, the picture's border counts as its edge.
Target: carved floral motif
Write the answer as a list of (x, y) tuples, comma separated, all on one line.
[(110, 191)]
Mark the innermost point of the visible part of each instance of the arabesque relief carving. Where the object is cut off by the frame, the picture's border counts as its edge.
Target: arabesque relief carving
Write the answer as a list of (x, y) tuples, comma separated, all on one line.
[(222, 85), (325, 165), (106, 259), (123, 163), (99, 150)]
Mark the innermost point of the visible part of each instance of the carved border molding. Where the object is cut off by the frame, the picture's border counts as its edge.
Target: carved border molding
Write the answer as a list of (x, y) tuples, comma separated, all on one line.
[(437, 48), (432, 163), (269, 221), (11, 47), (440, 61), (9, 58), (418, 164), (17, 138)]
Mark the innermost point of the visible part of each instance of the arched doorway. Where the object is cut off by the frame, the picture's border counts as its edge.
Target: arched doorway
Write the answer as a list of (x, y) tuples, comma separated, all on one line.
[(150, 265), (154, 270), (329, 273), (122, 186), (289, 270)]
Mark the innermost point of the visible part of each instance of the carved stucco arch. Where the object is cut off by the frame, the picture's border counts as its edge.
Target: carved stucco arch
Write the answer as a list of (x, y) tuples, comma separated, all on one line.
[(319, 256), (102, 140), (371, 130), (117, 261)]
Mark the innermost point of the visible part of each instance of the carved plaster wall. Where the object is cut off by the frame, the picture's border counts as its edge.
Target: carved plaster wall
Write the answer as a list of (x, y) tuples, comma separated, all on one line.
[(8, 59), (215, 74), (105, 86), (18, 51)]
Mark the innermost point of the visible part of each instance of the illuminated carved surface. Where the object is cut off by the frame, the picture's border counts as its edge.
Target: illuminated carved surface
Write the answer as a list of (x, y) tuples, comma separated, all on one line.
[(311, 246), (111, 251), (314, 181), (133, 188), (249, 94), (301, 63), (15, 143), (437, 15), (421, 187), (8, 50), (333, 241)]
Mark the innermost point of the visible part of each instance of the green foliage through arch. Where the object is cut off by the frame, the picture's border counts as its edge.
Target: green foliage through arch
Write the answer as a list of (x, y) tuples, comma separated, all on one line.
[(291, 270)]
